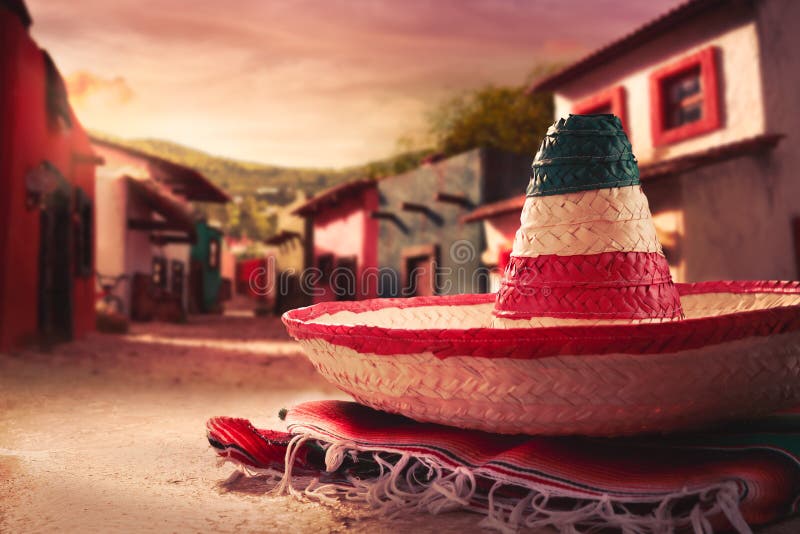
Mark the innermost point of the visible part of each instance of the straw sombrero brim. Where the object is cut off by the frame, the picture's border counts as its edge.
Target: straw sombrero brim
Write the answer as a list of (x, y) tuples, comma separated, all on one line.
[(448, 360)]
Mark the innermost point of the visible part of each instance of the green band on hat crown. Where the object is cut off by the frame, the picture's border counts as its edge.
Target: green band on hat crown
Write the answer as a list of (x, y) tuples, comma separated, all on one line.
[(583, 152)]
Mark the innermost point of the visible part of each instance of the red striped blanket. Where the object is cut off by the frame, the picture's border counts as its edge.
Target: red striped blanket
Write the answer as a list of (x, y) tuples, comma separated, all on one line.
[(732, 478)]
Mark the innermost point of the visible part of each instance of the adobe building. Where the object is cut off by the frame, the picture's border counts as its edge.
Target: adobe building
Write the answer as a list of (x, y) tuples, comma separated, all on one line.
[(500, 221), (47, 196), (342, 241), (403, 235), (146, 228), (708, 95)]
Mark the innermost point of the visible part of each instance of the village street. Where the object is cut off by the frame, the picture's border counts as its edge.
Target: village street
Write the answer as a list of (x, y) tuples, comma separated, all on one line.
[(107, 434)]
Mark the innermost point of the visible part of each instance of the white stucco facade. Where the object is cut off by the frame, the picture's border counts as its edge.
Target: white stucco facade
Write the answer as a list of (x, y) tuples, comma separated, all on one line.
[(735, 36), (729, 219), (120, 249)]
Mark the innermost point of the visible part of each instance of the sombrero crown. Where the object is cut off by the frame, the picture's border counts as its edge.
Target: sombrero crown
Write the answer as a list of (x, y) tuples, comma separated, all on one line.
[(587, 247)]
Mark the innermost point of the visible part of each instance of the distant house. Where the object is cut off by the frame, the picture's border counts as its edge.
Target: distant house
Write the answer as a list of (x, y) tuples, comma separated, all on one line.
[(404, 235), (46, 196), (342, 240), (146, 227), (708, 95), (500, 220), (287, 256)]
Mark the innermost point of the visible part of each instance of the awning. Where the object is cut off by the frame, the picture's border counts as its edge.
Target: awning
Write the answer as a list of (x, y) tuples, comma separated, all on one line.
[(494, 209), (182, 180), (176, 216), (332, 196)]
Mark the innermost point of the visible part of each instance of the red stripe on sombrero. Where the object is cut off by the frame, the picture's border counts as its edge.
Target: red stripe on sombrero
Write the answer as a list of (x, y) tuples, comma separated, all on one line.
[(658, 301), (607, 269), (523, 343), (610, 285)]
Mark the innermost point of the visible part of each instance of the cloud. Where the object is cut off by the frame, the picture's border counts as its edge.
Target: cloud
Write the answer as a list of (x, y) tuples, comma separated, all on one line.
[(87, 88), (306, 82)]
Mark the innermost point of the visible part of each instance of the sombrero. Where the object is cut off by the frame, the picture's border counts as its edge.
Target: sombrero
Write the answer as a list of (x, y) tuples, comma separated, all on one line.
[(587, 334)]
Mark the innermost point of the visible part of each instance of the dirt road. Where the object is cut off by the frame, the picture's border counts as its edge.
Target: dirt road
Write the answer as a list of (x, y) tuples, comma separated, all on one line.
[(108, 434)]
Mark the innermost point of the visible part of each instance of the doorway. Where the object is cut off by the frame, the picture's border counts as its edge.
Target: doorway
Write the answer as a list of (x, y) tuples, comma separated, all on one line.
[(55, 268), (420, 271)]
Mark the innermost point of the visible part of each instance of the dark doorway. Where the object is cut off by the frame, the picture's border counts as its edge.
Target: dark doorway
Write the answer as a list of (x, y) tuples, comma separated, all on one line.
[(55, 268), (344, 279), (176, 286), (196, 286), (420, 270)]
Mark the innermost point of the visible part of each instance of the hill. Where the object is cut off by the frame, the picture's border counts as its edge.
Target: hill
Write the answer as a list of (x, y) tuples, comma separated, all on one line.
[(257, 188), (240, 178)]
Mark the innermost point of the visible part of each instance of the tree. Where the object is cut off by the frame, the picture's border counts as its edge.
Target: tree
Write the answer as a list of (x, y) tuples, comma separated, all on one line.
[(498, 117)]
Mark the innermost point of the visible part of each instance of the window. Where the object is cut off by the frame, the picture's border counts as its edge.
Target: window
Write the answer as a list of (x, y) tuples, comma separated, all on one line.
[(609, 101), (684, 98), (213, 254), (158, 272)]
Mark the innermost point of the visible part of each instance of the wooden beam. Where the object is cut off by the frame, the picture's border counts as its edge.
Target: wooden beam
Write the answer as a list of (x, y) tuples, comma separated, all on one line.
[(391, 217), (423, 209), (413, 206), (451, 198)]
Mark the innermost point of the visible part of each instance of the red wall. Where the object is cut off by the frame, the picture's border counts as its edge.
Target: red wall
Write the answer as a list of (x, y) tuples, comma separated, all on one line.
[(347, 229), (28, 139)]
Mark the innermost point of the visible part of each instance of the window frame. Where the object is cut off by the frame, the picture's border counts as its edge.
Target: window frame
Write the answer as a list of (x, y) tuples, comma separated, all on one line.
[(614, 97), (706, 60), (161, 261), (214, 254)]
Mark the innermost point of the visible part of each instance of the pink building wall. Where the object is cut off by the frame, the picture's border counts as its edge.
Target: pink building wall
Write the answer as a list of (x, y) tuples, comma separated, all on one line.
[(347, 229)]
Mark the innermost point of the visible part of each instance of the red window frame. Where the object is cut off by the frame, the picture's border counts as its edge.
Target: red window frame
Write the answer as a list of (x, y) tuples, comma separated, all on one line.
[(711, 120), (613, 97)]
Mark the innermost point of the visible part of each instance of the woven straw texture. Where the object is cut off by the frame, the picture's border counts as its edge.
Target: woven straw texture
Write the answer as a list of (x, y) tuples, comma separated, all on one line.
[(654, 301), (583, 152), (607, 395), (737, 355), (578, 208)]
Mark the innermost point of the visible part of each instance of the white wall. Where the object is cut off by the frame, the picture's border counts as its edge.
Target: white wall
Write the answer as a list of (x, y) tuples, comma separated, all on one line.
[(110, 207), (733, 219), (780, 50), (735, 34)]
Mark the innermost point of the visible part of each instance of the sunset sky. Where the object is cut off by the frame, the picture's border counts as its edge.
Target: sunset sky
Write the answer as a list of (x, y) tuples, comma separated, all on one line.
[(305, 82)]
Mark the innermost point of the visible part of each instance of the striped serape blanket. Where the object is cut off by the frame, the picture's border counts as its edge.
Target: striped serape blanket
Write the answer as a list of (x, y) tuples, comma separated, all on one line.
[(731, 479)]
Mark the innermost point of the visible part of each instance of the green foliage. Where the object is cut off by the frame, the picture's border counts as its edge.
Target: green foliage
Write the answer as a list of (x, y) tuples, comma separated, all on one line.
[(396, 165), (498, 117)]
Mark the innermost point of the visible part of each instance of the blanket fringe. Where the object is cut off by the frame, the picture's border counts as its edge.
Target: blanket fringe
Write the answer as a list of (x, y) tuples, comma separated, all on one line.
[(414, 483)]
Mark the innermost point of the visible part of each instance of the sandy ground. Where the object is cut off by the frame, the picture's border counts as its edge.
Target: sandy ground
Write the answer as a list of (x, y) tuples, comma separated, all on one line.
[(107, 434)]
